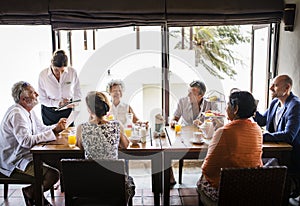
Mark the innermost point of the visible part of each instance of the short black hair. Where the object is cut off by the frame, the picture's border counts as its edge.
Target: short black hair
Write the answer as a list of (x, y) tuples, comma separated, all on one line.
[(245, 102), (199, 85)]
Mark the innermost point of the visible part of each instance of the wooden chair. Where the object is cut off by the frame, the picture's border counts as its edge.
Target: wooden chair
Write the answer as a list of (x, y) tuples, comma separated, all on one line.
[(94, 182), (9, 180), (253, 186)]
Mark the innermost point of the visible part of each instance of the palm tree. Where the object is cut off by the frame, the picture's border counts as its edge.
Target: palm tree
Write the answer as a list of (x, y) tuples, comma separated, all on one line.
[(212, 45)]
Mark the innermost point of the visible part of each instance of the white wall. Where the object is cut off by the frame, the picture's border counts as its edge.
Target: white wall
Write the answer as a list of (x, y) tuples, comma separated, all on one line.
[(289, 50)]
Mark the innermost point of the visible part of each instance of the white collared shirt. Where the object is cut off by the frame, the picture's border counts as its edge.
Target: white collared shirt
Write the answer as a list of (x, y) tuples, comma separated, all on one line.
[(19, 132), (279, 112), (51, 92)]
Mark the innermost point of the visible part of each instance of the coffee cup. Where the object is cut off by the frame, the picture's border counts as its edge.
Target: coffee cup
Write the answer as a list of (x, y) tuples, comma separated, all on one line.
[(198, 135)]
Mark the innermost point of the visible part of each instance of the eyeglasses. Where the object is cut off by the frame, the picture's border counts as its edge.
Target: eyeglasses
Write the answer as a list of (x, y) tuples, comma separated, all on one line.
[(25, 84)]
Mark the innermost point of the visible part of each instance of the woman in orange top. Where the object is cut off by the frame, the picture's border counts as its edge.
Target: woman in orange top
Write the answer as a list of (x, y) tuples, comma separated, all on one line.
[(238, 144)]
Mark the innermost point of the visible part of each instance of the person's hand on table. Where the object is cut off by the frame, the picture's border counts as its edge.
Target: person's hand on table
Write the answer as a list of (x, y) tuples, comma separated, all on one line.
[(60, 126)]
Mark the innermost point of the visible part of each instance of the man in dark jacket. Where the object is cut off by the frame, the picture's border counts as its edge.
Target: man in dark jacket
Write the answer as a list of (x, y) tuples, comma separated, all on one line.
[(282, 119)]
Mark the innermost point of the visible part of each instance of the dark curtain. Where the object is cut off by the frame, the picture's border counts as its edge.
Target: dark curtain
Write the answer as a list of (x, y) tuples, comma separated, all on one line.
[(221, 12), (78, 14), (24, 12), (88, 14)]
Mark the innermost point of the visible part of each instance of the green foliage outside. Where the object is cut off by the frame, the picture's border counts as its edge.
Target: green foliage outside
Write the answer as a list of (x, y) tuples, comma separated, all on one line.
[(212, 47)]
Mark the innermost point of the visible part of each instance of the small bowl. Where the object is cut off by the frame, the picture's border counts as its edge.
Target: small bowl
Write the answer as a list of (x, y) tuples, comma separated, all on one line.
[(135, 140)]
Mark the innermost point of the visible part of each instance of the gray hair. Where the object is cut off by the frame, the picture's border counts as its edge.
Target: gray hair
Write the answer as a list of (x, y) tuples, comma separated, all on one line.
[(115, 82), (17, 90)]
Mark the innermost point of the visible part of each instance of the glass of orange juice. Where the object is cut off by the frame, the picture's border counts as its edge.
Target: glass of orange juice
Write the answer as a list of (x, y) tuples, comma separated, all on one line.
[(177, 128), (110, 117), (128, 132), (72, 139)]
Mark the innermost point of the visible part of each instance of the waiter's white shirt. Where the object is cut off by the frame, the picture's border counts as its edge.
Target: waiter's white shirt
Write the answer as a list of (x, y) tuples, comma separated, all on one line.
[(51, 92)]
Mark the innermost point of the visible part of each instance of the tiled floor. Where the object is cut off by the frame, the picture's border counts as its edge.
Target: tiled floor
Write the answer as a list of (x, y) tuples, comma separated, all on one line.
[(184, 194)]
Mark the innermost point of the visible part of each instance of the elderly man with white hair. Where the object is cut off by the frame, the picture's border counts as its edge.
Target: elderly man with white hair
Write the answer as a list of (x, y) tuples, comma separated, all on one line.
[(20, 130)]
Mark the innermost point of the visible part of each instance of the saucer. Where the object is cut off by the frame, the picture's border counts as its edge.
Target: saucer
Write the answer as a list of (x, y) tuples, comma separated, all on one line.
[(197, 141)]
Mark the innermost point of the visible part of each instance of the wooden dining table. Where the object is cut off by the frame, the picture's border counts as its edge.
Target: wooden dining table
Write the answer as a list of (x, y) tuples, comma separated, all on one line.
[(54, 150), (59, 149), (181, 145), (160, 150)]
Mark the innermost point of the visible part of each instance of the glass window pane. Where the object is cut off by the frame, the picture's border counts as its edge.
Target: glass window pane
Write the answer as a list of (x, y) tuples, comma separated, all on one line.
[(116, 57), (187, 65), (25, 51), (260, 66)]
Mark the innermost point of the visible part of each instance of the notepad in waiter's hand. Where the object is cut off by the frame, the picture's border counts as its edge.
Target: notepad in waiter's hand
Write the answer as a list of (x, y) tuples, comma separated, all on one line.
[(65, 105), (72, 118)]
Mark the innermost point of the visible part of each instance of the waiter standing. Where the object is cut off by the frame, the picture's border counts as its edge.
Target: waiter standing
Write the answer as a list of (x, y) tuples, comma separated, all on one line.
[(57, 86)]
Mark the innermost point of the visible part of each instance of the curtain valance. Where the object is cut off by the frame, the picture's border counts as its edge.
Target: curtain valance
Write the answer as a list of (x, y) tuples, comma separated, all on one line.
[(24, 12), (87, 14), (219, 12)]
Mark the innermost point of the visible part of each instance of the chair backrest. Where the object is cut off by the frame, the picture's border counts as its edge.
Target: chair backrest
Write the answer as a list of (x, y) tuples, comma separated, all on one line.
[(252, 186), (94, 181)]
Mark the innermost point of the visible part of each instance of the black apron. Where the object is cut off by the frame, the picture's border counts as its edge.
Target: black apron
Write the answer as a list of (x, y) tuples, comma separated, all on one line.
[(50, 116)]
